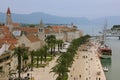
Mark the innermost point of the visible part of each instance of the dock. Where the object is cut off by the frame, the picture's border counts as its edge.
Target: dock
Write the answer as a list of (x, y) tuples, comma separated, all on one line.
[(87, 65)]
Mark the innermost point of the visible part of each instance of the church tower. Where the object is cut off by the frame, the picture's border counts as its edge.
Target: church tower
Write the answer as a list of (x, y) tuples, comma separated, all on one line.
[(41, 27), (41, 31), (8, 17)]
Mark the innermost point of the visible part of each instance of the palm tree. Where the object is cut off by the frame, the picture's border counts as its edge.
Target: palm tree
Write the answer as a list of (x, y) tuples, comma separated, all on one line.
[(32, 56), (37, 54), (45, 51), (41, 52), (25, 58), (66, 60), (60, 70), (59, 43), (50, 40), (19, 51)]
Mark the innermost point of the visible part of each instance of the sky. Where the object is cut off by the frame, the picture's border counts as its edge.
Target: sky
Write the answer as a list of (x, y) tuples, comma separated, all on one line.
[(67, 8)]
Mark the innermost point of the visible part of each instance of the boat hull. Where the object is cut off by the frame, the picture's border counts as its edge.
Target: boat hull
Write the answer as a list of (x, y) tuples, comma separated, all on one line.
[(105, 56)]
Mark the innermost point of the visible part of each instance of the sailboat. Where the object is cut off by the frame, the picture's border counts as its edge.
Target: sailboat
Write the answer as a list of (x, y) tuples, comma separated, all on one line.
[(104, 50)]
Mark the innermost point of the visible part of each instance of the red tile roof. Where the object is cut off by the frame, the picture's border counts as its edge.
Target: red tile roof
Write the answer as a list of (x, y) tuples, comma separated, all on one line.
[(47, 31), (32, 38), (12, 46), (7, 36), (15, 24), (8, 11), (54, 29), (28, 30), (4, 29), (9, 40)]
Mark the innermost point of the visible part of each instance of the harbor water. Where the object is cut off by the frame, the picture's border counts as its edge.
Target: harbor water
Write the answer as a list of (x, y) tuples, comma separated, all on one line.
[(113, 64)]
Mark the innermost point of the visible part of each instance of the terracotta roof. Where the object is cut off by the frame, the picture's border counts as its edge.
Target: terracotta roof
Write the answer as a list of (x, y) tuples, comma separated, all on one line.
[(12, 46), (8, 11), (7, 36), (8, 40), (57, 29), (4, 29), (54, 29), (28, 30), (32, 38), (15, 24), (47, 31)]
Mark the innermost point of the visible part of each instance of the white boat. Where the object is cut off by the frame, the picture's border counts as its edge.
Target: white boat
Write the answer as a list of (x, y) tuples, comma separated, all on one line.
[(105, 69)]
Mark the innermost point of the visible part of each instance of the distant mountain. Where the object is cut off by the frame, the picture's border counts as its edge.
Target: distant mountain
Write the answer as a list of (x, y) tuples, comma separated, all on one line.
[(34, 18), (47, 18)]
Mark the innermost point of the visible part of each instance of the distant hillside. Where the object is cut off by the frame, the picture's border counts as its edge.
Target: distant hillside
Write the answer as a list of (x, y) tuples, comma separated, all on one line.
[(36, 17), (52, 19)]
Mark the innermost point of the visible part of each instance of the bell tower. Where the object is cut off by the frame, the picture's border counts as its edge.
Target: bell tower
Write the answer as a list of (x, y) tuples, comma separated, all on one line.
[(41, 27), (41, 31), (8, 17)]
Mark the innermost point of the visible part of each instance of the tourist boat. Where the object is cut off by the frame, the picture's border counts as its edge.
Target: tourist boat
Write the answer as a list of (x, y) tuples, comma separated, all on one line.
[(105, 69), (105, 51)]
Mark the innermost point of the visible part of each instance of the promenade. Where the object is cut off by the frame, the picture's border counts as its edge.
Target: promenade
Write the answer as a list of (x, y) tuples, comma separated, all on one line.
[(43, 73), (87, 66)]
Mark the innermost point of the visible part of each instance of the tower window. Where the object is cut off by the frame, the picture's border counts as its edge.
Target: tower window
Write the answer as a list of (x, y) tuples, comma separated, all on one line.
[(40, 30)]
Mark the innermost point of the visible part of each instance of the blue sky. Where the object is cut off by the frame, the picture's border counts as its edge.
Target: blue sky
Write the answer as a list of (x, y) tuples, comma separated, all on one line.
[(68, 8)]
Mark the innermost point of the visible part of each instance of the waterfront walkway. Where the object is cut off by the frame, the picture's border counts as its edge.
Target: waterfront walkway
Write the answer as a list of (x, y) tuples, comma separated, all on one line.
[(87, 66)]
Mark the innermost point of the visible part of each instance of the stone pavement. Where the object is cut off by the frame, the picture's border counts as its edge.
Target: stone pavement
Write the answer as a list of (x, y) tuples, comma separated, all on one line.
[(42, 73), (87, 66)]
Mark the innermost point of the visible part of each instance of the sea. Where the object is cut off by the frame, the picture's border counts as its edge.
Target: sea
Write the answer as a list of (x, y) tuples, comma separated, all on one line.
[(112, 64), (92, 29)]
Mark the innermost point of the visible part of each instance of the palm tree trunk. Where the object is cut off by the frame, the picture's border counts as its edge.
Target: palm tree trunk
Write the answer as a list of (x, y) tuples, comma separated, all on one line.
[(41, 59), (45, 57), (31, 62), (37, 61), (19, 66), (58, 47), (51, 52)]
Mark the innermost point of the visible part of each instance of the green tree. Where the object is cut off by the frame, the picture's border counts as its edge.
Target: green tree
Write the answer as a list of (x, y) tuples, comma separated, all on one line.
[(50, 40), (45, 47), (32, 53), (19, 51), (41, 52), (65, 61), (25, 58), (59, 43), (60, 70), (37, 54)]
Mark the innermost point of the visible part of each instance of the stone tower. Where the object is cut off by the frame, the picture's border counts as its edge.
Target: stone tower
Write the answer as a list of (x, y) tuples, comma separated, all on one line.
[(41, 27), (8, 17), (41, 31)]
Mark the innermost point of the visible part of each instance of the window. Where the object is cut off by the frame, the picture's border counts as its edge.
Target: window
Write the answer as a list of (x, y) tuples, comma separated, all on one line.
[(40, 30)]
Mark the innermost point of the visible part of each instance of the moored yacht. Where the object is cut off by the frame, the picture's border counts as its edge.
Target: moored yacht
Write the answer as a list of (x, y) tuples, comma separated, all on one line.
[(105, 51)]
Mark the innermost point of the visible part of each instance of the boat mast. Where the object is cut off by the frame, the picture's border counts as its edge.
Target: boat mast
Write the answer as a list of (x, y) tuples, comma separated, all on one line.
[(104, 32)]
